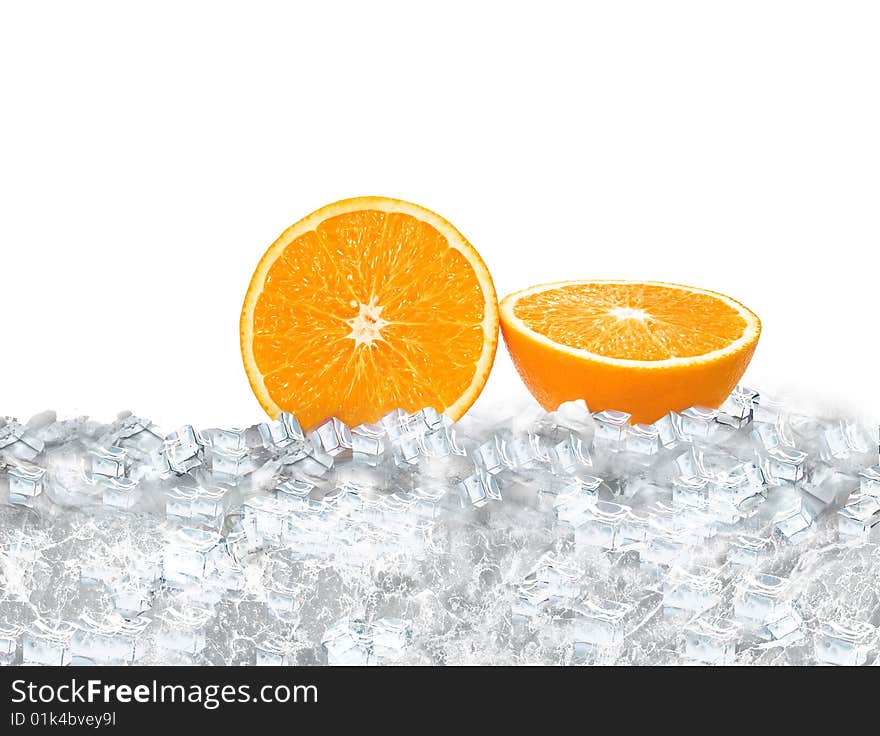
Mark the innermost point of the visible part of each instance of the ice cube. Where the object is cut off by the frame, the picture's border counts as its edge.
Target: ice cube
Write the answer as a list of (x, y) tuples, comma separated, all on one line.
[(842, 439), (232, 440), (366, 448), (767, 410), (599, 525), (766, 436), (347, 642), (107, 462), (179, 502), (748, 551), (10, 634), (489, 456), (611, 428), (284, 431), (523, 451), (794, 526), (761, 598), (186, 555), (711, 641), (208, 503), (120, 493), (111, 640), (294, 494), (265, 518), (284, 599), (576, 499), (634, 528), (869, 481), (182, 450), (844, 642), (692, 590), (17, 442), (785, 464), (26, 481), (598, 628), (275, 652), (697, 424), (690, 491), (859, 519), (406, 450), (478, 489), (568, 455), (332, 437), (737, 409), (184, 628), (231, 464), (667, 429), (440, 442), (131, 598), (391, 637), (643, 439), (47, 643)]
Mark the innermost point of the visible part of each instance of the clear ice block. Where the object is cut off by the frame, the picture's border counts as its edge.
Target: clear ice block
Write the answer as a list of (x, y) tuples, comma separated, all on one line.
[(111, 640), (598, 628), (761, 598), (477, 490), (711, 642), (869, 481), (697, 423), (643, 439), (738, 408), (844, 642), (182, 451), (347, 642), (611, 428), (107, 462), (275, 652), (282, 432), (183, 628), (489, 456), (10, 635), (785, 463), (185, 559), (859, 519), (391, 637), (120, 493), (795, 526), (600, 524), (332, 437), (232, 440), (576, 499), (47, 643), (26, 481), (692, 590)]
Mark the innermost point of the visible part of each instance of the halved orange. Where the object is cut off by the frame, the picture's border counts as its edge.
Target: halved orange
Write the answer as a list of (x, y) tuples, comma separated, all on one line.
[(365, 306), (646, 348)]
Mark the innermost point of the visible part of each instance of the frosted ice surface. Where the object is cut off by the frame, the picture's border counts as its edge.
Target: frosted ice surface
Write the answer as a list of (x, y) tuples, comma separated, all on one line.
[(733, 536)]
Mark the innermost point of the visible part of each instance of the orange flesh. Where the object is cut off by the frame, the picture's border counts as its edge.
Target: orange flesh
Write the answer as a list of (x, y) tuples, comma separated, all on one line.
[(632, 321), (368, 312)]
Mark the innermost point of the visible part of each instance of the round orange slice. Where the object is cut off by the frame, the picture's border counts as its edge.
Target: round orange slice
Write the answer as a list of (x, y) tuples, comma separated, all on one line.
[(365, 306), (646, 348)]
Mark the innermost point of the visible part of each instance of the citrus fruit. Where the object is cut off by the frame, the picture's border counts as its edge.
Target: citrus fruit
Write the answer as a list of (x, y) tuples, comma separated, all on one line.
[(646, 348), (365, 306)]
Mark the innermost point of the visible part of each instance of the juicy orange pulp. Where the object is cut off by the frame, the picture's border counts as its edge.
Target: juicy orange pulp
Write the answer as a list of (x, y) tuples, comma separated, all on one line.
[(642, 347), (365, 306)]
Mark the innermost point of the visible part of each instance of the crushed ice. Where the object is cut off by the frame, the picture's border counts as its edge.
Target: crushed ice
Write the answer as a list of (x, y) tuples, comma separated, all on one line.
[(741, 535)]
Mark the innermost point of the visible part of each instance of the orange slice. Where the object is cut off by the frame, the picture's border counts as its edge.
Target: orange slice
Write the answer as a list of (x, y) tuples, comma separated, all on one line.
[(646, 348), (368, 305)]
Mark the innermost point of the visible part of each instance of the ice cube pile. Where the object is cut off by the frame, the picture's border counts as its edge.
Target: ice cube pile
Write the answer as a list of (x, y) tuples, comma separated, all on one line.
[(747, 534)]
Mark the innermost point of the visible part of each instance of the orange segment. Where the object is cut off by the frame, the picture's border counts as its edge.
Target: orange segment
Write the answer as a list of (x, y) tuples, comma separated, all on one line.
[(642, 347), (365, 306)]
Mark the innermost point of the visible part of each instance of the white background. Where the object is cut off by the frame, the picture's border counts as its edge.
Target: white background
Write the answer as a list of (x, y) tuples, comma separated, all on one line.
[(148, 157)]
